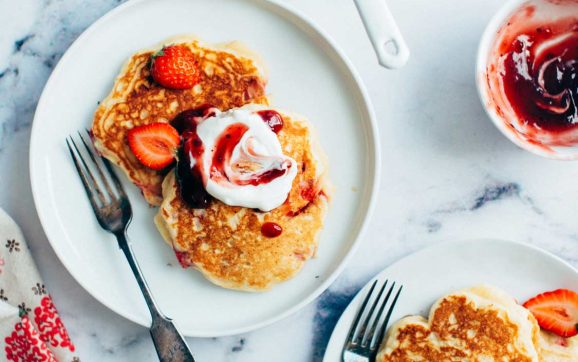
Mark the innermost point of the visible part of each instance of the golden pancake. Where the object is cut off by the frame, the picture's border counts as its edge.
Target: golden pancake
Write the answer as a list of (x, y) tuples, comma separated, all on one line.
[(477, 324), (230, 77), (225, 242)]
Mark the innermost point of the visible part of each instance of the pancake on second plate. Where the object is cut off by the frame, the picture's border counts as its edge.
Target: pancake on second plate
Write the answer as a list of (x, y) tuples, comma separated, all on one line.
[(226, 243), (475, 324), (230, 77), (478, 324)]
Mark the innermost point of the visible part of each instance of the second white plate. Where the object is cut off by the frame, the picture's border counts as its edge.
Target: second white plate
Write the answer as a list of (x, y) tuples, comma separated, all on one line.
[(519, 269)]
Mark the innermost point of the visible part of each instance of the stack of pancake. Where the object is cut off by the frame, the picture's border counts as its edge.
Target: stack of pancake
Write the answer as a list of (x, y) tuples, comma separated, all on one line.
[(223, 242), (230, 77), (476, 324)]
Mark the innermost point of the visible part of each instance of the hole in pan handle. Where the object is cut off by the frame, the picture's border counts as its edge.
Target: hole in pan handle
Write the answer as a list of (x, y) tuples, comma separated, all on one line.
[(392, 51)]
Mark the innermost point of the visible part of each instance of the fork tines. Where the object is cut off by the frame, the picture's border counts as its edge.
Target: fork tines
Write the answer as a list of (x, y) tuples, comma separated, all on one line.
[(370, 325), (94, 186)]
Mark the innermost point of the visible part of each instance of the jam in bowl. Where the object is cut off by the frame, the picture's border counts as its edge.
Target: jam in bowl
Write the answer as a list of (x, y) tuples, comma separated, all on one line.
[(527, 75)]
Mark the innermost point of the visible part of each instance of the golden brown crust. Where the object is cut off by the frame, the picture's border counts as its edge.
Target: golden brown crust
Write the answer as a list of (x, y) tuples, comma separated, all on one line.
[(464, 327), (225, 242), (478, 332), (228, 80)]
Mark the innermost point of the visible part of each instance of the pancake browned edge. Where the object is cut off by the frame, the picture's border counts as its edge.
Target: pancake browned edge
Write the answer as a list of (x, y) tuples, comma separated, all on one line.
[(225, 243), (231, 76), (481, 323)]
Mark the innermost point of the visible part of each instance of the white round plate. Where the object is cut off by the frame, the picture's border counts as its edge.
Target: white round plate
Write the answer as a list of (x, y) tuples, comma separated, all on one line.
[(308, 75), (519, 269)]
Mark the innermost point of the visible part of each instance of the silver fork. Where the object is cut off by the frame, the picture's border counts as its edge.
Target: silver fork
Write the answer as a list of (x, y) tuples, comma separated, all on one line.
[(362, 344), (113, 212)]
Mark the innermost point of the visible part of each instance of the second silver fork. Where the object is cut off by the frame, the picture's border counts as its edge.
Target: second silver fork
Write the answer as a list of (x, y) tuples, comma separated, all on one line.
[(368, 329), (113, 212)]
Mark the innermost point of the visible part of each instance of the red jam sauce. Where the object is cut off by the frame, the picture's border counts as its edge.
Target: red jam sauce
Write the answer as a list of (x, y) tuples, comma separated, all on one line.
[(264, 177), (540, 73), (189, 119), (183, 259), (271, 229), (190, 179), (273, 119), (224, 149)]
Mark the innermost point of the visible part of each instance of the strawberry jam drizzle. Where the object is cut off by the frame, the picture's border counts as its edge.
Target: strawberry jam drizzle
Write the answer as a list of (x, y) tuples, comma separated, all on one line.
[(224, 148), (183, 259), (271, 229), (189, 119), (542, 87), (309, 192), (263, 178), (273, 119), (190, 179)]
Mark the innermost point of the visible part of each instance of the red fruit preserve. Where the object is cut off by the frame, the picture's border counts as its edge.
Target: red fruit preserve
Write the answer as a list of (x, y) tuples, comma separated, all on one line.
[(273, 119), (271, 230), (190, 179), (191, 176), (189, 119), (540, 76), (532, 74), (224, 148)]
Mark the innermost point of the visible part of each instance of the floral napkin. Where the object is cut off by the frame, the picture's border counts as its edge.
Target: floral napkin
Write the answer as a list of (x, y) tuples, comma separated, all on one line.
[(30, 327)]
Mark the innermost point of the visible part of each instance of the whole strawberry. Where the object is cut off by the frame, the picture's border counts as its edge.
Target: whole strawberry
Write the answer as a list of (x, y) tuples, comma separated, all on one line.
[(175, 67)]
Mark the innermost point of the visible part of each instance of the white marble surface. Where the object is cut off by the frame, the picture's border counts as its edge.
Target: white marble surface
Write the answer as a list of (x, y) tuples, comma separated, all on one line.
[(447, 172)]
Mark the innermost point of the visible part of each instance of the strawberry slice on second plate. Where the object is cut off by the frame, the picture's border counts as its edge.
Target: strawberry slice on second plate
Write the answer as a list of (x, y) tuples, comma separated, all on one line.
[(556, 311), (154, 145)]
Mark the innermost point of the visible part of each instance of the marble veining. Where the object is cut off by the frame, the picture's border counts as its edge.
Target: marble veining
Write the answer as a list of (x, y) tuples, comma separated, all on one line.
[(496, 192), (447, 172), (329, 308), (35, 34)]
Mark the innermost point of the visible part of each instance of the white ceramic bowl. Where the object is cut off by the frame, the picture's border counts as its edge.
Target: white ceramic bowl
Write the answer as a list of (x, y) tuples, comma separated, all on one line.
[(547, 10)]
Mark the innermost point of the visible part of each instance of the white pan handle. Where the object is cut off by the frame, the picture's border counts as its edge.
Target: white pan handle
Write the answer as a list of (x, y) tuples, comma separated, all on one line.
[(392, 51)]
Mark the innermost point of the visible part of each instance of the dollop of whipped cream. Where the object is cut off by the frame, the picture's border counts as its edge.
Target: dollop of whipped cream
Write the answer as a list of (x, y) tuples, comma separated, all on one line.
[(243, 163)]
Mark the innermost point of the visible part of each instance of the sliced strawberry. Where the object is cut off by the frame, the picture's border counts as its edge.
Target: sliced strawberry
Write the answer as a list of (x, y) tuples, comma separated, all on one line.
[(556, 311), (154, 145)]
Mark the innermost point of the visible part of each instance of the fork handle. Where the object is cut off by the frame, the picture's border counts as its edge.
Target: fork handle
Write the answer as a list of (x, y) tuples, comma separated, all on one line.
[(168, 341)]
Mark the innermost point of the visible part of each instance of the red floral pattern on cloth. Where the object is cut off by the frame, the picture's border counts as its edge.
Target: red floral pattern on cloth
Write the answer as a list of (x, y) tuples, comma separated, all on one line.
[(24, 344), (30, 328), (51, 328)]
